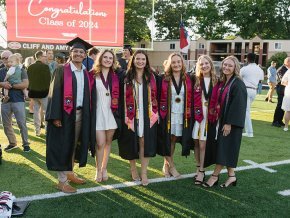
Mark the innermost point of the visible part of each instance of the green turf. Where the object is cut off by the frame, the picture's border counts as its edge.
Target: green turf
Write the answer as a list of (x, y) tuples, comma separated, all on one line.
[(25, 174)]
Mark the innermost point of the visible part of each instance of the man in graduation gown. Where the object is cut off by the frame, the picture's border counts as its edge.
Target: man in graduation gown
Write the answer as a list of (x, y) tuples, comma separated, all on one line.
[(68, 117)]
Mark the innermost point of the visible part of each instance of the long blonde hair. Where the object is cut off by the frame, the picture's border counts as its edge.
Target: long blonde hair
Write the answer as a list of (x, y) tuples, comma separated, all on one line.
[(236, 70), (199, 75), (97, 67), (168, 69)]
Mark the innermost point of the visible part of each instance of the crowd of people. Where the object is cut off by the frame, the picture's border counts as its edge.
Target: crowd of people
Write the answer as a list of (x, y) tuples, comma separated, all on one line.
[(91, 100)]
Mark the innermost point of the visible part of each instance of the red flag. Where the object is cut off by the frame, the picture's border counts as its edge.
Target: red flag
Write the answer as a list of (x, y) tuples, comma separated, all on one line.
[(183, 36)]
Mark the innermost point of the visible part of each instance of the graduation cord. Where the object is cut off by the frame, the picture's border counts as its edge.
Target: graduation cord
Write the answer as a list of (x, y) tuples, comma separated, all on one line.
[(169, 106), (185, 96), (136, 100)]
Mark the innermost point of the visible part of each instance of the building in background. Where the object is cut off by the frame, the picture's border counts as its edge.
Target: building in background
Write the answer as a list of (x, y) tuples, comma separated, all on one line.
[(217, 49)]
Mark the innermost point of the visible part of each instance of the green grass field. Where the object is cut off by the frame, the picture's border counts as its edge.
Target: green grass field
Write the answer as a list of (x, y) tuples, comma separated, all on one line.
[(25, 174)]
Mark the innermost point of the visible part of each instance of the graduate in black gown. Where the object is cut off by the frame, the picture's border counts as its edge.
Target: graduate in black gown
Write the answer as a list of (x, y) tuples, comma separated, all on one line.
[(139, 115), (229, 103), (68, 117), (175, 110)]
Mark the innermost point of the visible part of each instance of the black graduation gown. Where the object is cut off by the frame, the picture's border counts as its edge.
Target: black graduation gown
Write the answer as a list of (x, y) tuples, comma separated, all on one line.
[(225, 151), (94, 115), (128, 140), (164, 136), (60, 140)]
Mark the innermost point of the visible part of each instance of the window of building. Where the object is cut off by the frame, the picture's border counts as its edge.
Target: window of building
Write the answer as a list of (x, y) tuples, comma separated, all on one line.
[(185, 56), (201, 46), (172, 46), (278, 45), (143, 46)]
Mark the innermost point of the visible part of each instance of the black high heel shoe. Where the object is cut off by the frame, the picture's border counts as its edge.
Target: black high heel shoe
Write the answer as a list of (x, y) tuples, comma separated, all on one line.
[(199, 182), (197, 166), (206, 185), (234, 183)]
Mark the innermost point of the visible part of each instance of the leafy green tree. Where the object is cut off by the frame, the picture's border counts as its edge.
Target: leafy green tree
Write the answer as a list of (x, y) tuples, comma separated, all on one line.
[(279, 58), (168, 14), (266, 18), (137, 15), (210, 22)]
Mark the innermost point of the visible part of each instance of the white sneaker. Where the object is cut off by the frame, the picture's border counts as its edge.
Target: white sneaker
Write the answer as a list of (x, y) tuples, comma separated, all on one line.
[(285, 129), (250, 135)]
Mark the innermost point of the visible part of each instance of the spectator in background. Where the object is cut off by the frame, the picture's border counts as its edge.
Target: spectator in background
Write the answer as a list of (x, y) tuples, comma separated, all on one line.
[(251, 74), (16, 106), (279, 113), (272, 81), (27, 62), (13, 75), (286, 99), (60, 58), (52, 64), (127, 53), (39, 76), (90, 59)]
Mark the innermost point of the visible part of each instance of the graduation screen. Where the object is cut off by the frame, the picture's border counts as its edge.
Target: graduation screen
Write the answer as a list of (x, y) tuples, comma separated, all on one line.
[(99, 22)]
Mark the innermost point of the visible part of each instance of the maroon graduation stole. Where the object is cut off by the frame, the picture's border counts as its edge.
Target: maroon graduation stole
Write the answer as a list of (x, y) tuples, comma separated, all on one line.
[(68, 103), (68, 89), (130, 107), (219, 95), (115, 92), (197, 104), (165, 100), (213, 108)]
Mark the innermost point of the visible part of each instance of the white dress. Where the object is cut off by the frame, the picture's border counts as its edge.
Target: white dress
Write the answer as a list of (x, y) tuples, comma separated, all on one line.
[(177, 111), (286, 100), (139, 95), (104, 117), (199, 129)]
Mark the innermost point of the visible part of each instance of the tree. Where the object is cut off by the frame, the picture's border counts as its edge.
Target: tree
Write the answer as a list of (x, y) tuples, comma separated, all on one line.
[(210, 22), (279, 58), (137, 15), (168, 15), (266, 18)]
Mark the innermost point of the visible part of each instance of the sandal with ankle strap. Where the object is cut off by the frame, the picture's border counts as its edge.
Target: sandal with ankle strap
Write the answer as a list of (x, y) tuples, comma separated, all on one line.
[(206, 185), (234, 183), (199, 182), (197, 166)]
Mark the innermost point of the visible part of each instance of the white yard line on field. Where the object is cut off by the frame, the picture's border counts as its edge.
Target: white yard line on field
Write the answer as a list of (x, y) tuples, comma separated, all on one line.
[(285, 192), (157, 180), (260, 166)]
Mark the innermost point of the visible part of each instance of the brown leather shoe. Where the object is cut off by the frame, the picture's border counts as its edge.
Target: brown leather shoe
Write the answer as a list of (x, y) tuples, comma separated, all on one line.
[(74, 179), (65, 187)]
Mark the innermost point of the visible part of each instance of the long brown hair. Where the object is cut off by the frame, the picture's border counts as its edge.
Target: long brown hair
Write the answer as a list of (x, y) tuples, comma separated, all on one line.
[(168, 69), (97, 67), (131, 71), (198, 73), (236, 70)]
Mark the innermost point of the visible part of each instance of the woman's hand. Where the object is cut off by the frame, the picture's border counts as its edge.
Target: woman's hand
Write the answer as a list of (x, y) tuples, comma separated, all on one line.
[(226, 129), (57, 123)]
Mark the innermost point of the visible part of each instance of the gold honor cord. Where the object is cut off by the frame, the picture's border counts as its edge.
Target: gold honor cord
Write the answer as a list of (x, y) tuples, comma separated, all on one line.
[(169, 105), (149, 101), (185, 96)]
